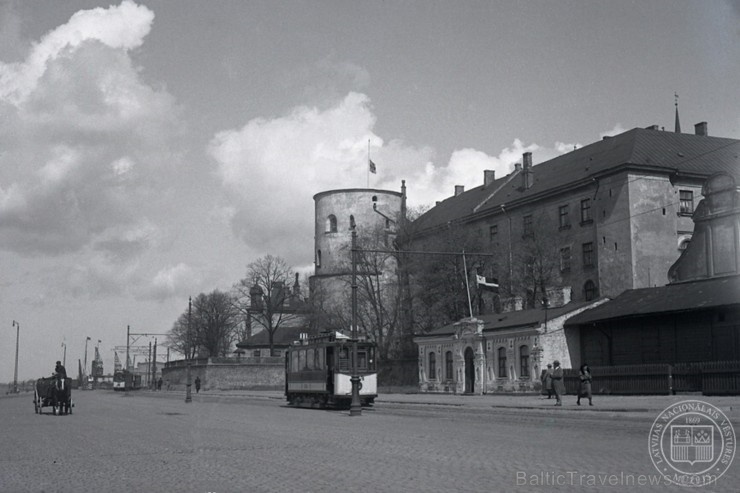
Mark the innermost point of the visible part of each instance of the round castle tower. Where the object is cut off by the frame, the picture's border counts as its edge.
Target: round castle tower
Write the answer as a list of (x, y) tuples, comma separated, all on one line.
[(336, 213)]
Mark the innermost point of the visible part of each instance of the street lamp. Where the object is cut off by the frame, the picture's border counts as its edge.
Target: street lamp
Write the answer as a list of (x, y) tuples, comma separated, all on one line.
[(17, 337), (188, 376), (355, 408)]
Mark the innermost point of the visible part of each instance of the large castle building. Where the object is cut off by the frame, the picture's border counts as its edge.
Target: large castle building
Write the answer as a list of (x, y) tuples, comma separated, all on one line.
[(614, 215)]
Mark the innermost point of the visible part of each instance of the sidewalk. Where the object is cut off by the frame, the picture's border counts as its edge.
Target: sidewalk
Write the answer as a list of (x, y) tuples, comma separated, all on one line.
[(650, 404)]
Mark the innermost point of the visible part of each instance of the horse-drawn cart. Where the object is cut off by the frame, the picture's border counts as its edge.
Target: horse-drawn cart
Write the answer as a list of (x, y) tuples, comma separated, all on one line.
[(54, 392)]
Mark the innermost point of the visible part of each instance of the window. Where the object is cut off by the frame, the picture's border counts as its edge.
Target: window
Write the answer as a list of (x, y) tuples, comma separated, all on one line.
[(493, 233), (256, 353), (563, 214), (432, 366), (687, 202), (565, 259), (309, 359), (527, 225), (331, 224), (501, 362), (448, 365), (524, 361), (318, 258), (588, 254), (351, 222), (362, 360), (684, 244), (586, 211), (589, 291)]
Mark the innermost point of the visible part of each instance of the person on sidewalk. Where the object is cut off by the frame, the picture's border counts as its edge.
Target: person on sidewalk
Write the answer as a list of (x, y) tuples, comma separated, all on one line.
[(584, 387), (546, 379), (197, 385), (558, 385)]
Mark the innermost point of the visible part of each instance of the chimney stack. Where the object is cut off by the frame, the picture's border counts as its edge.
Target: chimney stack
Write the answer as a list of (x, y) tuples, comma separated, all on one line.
[(459, 189), (489, 176), (518, 167), (701, 129), (527, 174)]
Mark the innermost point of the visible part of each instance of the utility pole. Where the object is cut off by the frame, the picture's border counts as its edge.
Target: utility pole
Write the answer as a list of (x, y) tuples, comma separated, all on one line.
[(188, 376), (17, 337), (355, 408)]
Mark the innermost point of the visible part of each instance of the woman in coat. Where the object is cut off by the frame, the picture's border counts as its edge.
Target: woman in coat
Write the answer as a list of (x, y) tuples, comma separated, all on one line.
[(584, 387), (546, 379)]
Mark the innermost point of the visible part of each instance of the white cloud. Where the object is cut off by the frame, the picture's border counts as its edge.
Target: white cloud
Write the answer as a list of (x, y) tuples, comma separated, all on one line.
[(84, 139), (124, 27), (271, 168), (177, 280), (618, 129)]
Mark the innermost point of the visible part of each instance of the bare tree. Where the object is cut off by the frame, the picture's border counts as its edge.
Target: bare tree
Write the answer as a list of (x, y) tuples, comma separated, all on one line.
[(209, 329), (263, 296), (439, 283), (536, 265)]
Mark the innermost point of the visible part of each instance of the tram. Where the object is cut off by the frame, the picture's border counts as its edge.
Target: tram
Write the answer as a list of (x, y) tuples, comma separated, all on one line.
[(318, 371), (125, 380)]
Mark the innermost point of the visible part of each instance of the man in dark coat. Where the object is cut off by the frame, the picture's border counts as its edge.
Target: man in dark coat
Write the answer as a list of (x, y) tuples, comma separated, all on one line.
[(60, 371), (558, 385)]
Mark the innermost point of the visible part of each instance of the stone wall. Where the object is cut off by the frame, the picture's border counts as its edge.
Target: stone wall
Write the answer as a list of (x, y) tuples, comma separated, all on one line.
[(214, 376)]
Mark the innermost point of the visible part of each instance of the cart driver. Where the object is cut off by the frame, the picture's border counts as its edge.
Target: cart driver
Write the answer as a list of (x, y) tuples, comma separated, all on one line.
[(59, 370)]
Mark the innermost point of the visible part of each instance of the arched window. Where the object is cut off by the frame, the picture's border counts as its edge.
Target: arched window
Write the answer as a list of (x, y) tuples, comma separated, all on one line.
[(432, 366), (524, 361), (448, 365), (501, 362), (318, 258), (331, 224), (351, 222), (589, 290)]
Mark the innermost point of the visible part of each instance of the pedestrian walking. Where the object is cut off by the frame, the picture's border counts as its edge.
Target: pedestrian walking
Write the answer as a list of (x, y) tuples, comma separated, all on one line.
[(197, 384), (546, 379), (558, 385), (584, 386), (159, 384)]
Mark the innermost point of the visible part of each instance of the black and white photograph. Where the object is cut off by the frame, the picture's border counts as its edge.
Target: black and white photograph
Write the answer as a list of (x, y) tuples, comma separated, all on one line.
[(260, 246)]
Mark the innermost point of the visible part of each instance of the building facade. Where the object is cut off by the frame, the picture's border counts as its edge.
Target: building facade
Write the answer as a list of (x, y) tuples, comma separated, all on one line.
[(695, 318), (615, 214), (500, 352)]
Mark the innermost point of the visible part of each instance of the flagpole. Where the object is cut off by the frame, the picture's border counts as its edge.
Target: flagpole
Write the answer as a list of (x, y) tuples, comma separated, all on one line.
[(368, 163), (467, 284)]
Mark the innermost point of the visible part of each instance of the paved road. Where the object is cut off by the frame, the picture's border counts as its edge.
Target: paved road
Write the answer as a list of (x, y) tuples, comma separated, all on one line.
[(250, 443)]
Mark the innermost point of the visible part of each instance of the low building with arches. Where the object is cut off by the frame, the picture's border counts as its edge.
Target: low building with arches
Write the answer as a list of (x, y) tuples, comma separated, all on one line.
[(502, 352)]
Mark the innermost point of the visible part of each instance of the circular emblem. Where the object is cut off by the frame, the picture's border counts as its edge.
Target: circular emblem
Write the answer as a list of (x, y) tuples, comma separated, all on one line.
[(692, 443)]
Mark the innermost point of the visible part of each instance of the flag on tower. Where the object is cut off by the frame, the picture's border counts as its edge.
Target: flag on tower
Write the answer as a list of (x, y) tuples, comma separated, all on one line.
[(371, 164), (487, 283)]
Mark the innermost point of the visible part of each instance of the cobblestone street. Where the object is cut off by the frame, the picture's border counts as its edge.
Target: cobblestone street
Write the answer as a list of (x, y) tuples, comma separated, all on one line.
[(253, 443)]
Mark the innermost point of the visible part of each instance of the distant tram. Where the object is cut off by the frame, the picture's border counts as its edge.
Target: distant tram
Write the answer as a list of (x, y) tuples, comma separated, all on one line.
[(125, 380), (318, 371)]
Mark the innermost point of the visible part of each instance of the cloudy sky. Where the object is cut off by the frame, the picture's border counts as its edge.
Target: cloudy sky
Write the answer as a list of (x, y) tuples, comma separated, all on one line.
[(149, 151)]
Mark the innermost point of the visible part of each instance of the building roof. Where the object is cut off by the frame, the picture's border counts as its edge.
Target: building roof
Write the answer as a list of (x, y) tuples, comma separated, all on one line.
[(517, 319), (673, 298), (284, 336), (697, 155)]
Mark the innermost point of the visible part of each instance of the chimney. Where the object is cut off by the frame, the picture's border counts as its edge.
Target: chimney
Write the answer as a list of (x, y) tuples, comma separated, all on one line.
[(518, 167), (489, 176), (459, 189), (527, 175), (701, 129), (557, 297)]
